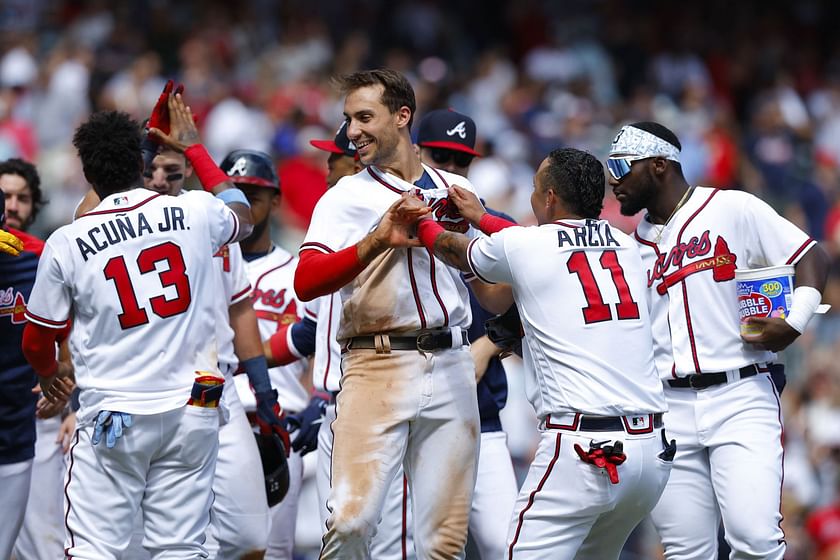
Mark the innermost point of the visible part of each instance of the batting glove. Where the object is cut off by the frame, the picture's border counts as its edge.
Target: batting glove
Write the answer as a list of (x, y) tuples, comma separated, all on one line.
[(307, 423), (271, 418), (10, 244), (113, 424)]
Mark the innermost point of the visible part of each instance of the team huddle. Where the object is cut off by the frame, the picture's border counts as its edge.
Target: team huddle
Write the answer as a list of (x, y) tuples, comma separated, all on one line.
[(201, 362)]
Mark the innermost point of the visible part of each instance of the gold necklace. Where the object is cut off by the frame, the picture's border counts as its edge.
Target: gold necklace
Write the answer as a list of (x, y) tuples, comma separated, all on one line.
[(679, 205)]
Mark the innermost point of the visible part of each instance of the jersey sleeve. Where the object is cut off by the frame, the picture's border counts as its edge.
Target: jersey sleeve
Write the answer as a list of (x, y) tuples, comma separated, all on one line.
[(237, 285), (488, 260), (339, 221), (222, 222), (771, 240), (51, 298)]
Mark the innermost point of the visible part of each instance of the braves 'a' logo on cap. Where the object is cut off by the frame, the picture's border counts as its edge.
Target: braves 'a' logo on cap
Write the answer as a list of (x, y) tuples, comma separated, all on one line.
[(460, 129), (240, 167)]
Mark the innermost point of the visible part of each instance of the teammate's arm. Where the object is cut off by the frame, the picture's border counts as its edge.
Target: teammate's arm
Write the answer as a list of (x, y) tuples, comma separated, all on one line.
[(811, 274), (184, 138), (291, 343), (318, 274), (470, 207)]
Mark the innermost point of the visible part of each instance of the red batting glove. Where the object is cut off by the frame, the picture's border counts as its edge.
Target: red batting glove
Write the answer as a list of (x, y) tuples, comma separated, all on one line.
[(159, 118)]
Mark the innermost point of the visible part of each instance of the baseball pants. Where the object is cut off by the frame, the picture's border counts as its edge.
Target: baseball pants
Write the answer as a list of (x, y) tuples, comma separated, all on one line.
[(392, 539), (42, 533), (239, 518), (163, 463), (410, 408), (729, 464), (569, 509), (494, 496), (14, 479)]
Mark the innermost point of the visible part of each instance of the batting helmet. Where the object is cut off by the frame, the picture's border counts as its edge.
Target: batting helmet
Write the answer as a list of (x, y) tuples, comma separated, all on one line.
[(275, 467), (251, 167)]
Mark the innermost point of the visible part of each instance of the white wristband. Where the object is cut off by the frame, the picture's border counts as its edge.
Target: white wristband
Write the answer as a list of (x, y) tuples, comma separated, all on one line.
[(803, 306)]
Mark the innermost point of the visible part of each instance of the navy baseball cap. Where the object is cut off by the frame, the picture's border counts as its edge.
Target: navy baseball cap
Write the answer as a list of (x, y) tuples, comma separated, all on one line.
[(340, 145), (448, 129)]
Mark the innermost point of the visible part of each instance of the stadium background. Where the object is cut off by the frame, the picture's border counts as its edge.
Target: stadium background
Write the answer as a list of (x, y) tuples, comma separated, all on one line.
[(752, 90)]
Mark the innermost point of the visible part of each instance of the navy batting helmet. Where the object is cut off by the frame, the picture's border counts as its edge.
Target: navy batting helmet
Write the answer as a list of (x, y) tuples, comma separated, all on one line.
[(275, 467), (251, 167)]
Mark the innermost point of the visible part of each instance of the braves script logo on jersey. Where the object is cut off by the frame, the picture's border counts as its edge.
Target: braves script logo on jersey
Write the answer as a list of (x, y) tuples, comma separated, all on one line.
[(460, 129), (286, 313), (13, 305), (445, 214), (721, 263)]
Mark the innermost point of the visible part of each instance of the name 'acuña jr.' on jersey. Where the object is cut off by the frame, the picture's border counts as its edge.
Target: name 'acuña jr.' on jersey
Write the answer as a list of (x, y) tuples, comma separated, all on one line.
[(694, 263), (122, 272), (598, 359), (402, 290)]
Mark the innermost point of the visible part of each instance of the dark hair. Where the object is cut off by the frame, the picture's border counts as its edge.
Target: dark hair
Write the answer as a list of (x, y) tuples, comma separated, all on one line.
[(397, 93), (577, 177), (109, 147), (660, 131), (27, 171)]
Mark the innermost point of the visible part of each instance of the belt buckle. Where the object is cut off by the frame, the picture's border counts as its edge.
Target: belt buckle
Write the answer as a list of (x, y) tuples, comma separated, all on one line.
[(425, 342), (691, 379)]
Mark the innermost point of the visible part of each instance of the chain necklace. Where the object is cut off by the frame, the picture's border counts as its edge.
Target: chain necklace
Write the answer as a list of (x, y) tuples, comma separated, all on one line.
[(679, 205)]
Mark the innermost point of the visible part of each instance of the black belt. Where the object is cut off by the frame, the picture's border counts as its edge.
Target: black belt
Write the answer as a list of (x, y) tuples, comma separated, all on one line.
[(610, 423), (427, 341), (704, 380), (607, 424)]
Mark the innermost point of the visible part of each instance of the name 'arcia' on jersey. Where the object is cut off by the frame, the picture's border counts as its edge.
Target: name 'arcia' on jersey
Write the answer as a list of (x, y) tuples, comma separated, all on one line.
[(127, 226), (591, 235)]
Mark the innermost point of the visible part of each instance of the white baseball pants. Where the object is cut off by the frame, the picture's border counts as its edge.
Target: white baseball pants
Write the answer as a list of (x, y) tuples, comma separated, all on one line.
[(494, 497), (14, 479)]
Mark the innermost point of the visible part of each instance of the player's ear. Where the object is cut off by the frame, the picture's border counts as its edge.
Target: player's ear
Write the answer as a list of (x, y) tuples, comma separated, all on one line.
[(188, 170), (403, 116)]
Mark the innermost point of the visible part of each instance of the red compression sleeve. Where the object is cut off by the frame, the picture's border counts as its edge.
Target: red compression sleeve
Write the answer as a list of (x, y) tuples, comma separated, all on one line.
[(490, 224), (319, 274), (208, 173), (427, 233), (279, 343), (38, 347)]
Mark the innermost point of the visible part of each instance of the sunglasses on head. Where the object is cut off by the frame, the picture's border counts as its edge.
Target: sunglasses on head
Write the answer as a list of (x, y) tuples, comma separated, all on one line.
[(442, 156)]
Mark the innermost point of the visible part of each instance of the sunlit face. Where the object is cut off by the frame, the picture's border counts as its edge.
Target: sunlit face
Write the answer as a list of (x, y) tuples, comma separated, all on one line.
[(372, 127), (19, 204), (636, 190), (340, 165), (167, 173), (540, 195)]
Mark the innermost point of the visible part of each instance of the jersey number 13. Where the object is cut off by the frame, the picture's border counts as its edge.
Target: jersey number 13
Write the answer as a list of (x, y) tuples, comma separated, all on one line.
[(133, 315), (596, 310)]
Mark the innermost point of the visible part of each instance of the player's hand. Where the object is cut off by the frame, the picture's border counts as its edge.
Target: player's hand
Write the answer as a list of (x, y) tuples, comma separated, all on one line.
[(183, 132), (112, 424), (58, 387), (307, 423), (271, 418), (482, 350), (776, 334), (10, 244), (66, 431), (467, 203), (395, 228)]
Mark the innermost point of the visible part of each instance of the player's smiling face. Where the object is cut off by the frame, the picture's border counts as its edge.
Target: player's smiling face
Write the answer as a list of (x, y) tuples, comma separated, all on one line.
[(636, 190), (371, 126)]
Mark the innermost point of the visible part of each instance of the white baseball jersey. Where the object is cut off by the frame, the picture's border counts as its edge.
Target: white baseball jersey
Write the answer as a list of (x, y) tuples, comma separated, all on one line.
[(326, 369), (401, 290), (276, 304), (691, 277), (137, 276), (579, 288)]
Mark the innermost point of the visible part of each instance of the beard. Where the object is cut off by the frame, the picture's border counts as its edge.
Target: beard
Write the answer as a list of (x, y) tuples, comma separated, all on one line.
[(635, 202), (259, 228)]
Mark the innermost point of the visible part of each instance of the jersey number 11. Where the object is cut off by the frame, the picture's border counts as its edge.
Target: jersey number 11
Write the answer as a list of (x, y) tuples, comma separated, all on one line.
[(596, 310)]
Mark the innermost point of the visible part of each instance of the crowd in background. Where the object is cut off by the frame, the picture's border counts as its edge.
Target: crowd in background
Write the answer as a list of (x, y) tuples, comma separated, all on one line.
[(753, 94)]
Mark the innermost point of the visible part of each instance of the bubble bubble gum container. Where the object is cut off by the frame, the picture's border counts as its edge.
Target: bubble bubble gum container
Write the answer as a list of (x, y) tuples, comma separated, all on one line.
[(763, 292)]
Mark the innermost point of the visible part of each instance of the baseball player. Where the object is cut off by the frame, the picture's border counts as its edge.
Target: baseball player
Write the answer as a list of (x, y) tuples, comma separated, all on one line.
[(42, 532), (579, 287), (317, 330), (408, 383), (270, 270), (723, 406), (134, 274), (447, 141)]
